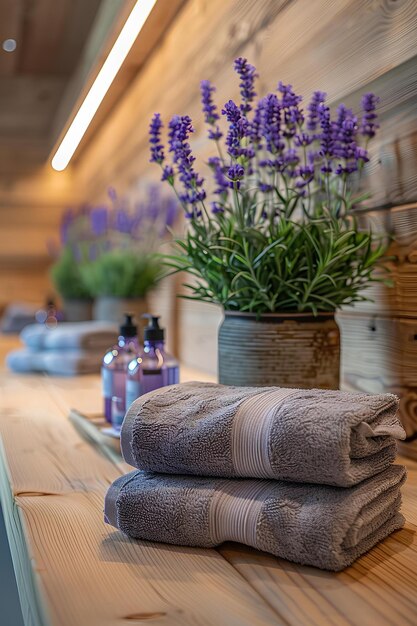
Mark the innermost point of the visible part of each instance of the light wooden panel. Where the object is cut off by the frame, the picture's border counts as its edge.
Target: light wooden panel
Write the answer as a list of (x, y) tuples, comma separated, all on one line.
[(10, 25), (30, 211), (285, 41), (109, 22), (27, 104), (398, 228), (198, 325), (379, 354)]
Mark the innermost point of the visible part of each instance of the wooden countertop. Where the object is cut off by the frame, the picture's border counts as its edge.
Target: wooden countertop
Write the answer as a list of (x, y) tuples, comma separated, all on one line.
[(74, 570)]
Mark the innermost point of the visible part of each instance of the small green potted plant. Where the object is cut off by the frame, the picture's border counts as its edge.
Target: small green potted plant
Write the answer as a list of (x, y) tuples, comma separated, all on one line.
[(277, 246), (119, 280), (66, 277), (119, 265)]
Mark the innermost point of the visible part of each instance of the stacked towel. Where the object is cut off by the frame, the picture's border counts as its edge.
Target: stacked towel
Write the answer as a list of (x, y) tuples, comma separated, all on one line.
[(70, 335), (68, 349), (319, 487)]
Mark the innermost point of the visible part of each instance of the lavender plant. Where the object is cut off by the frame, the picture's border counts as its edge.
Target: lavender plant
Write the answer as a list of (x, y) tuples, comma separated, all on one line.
[(110, 250), (277, 232)]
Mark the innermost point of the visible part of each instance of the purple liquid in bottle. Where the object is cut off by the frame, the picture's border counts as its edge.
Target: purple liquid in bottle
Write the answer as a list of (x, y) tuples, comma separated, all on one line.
[(115, 363), (153, 368)]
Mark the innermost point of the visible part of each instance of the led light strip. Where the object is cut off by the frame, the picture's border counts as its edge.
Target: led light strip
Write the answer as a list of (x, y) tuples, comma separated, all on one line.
[(104, 79)]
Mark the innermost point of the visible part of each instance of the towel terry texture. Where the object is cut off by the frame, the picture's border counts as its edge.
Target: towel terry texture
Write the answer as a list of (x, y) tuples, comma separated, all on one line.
[(54, 362), (312, 436), (318, 525), (69, 335)]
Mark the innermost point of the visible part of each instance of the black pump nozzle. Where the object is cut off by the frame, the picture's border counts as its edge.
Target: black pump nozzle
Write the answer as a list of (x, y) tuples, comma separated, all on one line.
[(152, 331), (128, 328)]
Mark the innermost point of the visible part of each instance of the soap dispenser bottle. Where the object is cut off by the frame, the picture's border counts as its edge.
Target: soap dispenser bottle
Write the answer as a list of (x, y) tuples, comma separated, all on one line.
[(154, 367), (114, 370)]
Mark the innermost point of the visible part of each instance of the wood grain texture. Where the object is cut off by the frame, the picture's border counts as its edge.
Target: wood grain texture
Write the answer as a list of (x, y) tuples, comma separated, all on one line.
[(379, 354), (81, 572), (343, 48), (388, 349), (87, 573), (110, 20), (30, 211)]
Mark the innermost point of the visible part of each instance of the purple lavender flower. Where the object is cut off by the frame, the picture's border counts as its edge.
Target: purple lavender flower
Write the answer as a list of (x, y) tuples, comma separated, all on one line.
[(239, 128), (122, 221), (235, 174), (271, 123), (326, 138), (99, 220), (293, 116), (193, 214), (247, 74), (168, 173), (361, 154), (303, 139), (219, 177), (180, 128), (157, 149), (301, 148), (255, 128), (288, 99), (291, 157), (345, 130), (65, 226), (313, 109), (210, 109), (306, 173), (369, 125), (216, 208), (171, 211), (232, 112)]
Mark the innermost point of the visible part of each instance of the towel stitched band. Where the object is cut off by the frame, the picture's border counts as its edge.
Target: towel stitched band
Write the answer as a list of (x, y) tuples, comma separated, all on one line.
[(251, 433), (235, 509)]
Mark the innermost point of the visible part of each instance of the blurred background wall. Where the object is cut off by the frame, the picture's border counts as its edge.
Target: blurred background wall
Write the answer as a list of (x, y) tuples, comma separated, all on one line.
[(343, 47)]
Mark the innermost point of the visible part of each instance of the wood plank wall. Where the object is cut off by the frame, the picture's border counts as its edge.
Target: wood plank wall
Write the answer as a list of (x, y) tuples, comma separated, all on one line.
[(30, 208), (344, 48)]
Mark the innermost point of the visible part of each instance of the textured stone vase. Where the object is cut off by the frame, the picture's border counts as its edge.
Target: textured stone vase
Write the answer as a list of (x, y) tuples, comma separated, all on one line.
[(111, 309), (78, 310), (288, 350)]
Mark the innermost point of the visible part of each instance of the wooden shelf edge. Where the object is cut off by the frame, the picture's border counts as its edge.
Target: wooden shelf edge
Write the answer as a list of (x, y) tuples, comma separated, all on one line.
[(33, 609)]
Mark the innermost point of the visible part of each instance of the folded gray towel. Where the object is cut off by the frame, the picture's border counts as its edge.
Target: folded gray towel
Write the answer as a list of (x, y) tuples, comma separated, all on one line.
[(318, 525), (86, 335), (316, 436), (55, 362)]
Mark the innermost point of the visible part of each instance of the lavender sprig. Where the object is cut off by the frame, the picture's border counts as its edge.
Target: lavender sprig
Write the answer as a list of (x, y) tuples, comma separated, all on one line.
[(239, 131), (180, 128), (157, 148), (369, 124), (247, 74), (210, 110)]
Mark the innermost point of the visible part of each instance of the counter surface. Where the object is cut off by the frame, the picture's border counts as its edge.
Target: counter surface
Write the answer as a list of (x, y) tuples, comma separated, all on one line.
[(74, 570)]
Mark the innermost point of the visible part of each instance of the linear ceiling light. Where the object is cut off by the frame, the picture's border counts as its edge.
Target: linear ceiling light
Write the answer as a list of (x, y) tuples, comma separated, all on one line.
[(104, 79)]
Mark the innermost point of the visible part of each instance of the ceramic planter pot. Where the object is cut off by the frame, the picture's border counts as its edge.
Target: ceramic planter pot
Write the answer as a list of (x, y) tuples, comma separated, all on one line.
[(288, 350), (78, 310), (110, 309)]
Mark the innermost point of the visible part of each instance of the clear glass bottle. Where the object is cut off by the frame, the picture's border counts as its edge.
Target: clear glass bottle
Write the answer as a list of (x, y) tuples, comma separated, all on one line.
[(153, 367), (114, 369)]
